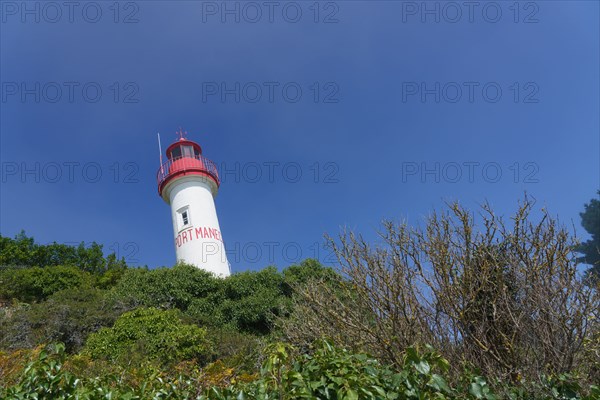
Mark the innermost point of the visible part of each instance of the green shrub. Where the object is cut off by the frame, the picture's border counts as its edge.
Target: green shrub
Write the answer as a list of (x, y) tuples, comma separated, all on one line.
[(69, 316), (327, 372), (246, 301), (252, 298), (149, 333), (165, 287)]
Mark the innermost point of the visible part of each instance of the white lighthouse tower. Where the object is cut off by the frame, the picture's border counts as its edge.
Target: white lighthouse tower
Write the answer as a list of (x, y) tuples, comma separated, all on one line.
[(188, 182)]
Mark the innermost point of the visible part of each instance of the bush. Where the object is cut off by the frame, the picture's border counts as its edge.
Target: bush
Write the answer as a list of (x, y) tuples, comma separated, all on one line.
[(326, 372), (243, 352), (69, 316), (250, 299), (507, 300), (245, 301), (165, 287), (149, 333)]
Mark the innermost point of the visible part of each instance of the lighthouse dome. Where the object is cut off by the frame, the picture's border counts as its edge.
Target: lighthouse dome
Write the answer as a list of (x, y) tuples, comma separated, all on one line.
[(184, 154), (185, 159)]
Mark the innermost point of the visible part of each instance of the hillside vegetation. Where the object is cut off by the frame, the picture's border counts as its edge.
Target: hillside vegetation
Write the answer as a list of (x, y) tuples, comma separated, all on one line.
[(468, 306)]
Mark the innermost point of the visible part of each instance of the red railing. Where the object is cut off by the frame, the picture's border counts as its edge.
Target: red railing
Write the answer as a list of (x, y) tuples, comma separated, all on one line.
[(180, 165)]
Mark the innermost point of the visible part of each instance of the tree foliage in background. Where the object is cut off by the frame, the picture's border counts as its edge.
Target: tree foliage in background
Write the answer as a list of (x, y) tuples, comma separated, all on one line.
[(54, 293), (23, 252), (37, 283), (246, 301), (590, 220)]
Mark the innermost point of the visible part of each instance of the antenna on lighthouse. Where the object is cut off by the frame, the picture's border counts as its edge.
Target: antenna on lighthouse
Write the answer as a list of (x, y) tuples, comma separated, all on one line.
[(160, 152)]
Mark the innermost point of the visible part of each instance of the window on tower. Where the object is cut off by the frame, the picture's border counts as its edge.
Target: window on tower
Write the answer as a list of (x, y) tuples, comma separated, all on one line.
[(176, 152), (183, 218)]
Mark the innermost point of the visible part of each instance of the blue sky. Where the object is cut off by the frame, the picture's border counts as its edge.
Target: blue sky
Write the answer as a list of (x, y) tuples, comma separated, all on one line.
[(367, 97)]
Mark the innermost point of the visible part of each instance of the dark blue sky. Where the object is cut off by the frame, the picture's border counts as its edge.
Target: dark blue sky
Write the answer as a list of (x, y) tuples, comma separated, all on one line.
[(386, 109)]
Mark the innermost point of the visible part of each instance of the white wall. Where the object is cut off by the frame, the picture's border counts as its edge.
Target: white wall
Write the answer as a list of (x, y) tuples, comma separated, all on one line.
[(199, 243)]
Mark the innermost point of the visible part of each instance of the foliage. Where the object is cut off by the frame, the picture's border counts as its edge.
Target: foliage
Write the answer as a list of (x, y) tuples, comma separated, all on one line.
[(37, 283), (44, 379), (65, 307), (240, 351), (69, 316), (158, 335), (249, 299), (12, 364), (115, 270), (23, 252), (165, 287), (16, 328), (327, 372), (507, 300), (246, 301), (503, 306), (590, 219), (31, 272), (307, 272)]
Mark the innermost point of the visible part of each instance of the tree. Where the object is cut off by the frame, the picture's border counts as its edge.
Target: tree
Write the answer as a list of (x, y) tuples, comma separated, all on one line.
[(590, 220), (23, 252), (36, 283), (305, 272), (506, 299)]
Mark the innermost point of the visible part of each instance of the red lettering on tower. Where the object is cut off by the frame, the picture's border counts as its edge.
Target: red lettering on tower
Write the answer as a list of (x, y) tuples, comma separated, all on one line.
[(201, 232)]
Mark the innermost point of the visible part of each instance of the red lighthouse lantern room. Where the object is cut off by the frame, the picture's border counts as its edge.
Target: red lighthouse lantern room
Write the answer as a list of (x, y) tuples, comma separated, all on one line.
[(184, 157)]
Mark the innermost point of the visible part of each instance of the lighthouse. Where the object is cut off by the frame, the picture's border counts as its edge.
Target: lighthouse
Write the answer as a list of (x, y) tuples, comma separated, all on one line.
[(189, 183)]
